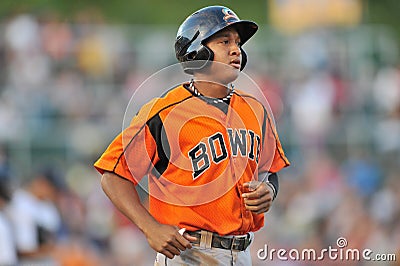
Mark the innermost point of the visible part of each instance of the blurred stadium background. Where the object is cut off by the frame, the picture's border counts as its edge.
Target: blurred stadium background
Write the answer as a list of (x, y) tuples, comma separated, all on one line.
[(330, 69)]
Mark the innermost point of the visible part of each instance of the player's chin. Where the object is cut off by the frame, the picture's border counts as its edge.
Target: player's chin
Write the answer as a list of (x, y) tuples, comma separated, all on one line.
[(229, 74)]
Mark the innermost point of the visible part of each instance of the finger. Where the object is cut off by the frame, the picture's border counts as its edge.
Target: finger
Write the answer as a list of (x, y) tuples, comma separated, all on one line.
[(183, 241), (259, 211), (180, 244), (189, 237), (262, 211), (259, 207), (266, 209), (252, 202), (252, 185), (258, 193), (253, 194), (173, 250), (259, 201), (168, 254)]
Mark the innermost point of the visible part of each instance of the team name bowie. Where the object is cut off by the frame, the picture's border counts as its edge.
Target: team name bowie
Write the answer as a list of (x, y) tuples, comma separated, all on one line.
[(244, 143)]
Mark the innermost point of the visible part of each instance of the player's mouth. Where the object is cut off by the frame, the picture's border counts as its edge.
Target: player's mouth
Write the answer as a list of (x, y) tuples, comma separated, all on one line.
[(235, 63)]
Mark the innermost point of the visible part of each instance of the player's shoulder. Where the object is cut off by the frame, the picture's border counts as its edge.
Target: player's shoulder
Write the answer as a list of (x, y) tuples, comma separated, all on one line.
[(170, 98), (249, 98), (173, 96)]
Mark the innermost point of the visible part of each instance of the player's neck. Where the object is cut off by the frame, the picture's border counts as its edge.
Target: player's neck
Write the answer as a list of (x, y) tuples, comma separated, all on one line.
[(211, 89)]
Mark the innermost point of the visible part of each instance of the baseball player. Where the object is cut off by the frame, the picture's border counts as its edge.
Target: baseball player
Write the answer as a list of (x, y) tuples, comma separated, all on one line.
[(210, 151)]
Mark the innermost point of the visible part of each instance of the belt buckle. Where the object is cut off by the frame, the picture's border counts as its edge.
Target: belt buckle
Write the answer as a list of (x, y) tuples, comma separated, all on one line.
[(236, 243), (226, 242)]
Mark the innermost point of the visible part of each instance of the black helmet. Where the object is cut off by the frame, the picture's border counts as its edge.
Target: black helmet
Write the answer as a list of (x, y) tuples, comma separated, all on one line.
[(200, 26)]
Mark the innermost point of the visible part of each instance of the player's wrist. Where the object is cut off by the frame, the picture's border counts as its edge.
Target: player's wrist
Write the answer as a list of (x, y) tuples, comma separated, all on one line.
[(148, 227), (271, 188)]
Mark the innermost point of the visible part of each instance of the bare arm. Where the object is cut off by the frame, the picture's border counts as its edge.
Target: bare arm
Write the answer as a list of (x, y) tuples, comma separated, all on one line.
[(162, 238)]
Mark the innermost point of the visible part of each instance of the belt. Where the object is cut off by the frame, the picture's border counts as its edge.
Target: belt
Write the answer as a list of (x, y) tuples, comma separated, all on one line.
[(235, 243)]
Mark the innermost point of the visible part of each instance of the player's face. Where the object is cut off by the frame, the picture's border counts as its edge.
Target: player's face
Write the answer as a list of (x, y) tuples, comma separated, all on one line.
[(227, 54)]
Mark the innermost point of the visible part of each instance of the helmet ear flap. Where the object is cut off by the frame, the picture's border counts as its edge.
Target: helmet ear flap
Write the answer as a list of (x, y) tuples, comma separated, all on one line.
[(196, 61), (244, 59), (204, 53)]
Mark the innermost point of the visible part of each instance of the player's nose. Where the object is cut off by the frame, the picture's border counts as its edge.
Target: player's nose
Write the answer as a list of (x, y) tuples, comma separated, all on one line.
[(235, 49)]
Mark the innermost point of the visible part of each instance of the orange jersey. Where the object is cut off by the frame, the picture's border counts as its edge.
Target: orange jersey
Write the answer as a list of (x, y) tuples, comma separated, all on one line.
[(197, 157)]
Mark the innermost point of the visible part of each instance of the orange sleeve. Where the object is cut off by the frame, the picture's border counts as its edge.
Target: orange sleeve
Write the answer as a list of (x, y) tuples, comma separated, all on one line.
[(130, 154), (133, 153), (273, 158), (279, 161)]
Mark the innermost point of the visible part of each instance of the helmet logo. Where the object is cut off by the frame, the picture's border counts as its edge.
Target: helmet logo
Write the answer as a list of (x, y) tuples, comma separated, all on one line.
[(229, 17)]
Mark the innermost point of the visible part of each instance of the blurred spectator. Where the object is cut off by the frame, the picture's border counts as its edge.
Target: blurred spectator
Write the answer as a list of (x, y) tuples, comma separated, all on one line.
[(22, 34), (57, 38), (386, 89), (8, 253), (35, 218), (386, 92), (93, 57), (22, 38), (312, 102), (362, 174)]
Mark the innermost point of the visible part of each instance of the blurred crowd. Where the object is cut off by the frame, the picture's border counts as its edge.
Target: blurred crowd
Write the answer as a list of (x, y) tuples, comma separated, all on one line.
[(64, 87)]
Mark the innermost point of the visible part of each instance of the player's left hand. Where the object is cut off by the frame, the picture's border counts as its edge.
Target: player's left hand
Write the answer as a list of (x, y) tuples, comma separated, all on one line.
[(258, 196)]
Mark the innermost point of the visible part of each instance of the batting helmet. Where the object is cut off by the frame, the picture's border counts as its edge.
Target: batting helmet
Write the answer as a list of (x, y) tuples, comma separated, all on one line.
[(199, 27)]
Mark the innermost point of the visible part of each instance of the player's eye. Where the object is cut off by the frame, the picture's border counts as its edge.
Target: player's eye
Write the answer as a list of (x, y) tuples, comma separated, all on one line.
[(228, 41)]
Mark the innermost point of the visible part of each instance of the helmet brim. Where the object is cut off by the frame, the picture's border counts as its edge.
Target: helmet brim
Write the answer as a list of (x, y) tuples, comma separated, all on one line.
[(245, 28)]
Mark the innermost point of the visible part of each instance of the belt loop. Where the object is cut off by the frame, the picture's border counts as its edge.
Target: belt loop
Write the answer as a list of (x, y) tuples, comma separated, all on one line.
[(205, 239)]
